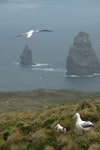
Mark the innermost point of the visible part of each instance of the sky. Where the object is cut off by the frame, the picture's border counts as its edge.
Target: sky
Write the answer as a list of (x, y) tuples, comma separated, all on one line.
[(65, 17)]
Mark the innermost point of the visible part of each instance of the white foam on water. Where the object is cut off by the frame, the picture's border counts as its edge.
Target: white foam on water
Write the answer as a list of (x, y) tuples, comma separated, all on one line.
[(16, 63), (75, 76), (39, 64), (50, 69)]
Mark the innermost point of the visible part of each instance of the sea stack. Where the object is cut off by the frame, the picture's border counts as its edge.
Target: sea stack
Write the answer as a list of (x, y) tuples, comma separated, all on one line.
[(26, 57), (82, 59)]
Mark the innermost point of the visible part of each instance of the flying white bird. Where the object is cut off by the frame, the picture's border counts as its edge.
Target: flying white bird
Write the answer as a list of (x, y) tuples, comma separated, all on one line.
[(80, 124), (31, 32)]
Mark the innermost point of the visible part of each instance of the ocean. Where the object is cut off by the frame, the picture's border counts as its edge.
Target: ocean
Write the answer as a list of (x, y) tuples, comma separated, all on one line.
[(66, 19)]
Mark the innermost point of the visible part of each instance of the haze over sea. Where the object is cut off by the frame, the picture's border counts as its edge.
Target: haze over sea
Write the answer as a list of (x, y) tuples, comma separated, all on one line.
[(66, 18)]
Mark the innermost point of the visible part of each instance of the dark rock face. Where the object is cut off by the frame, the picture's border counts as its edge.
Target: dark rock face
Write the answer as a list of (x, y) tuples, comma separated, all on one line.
[(82, 59), (26, 57)]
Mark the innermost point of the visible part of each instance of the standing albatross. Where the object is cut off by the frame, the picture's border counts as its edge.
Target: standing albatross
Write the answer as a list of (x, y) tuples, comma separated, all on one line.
[(80, 124), (31, 32)]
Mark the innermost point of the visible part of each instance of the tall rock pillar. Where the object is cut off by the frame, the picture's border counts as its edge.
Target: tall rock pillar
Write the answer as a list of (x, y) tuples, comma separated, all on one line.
[(82, 58)]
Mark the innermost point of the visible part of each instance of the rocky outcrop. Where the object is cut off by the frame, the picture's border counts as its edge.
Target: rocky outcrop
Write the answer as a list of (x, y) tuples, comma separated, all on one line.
[(26, 57), (82, 58)]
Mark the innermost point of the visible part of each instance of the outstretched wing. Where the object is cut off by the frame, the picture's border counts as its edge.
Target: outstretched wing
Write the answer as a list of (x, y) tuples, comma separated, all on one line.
[(19, 35)]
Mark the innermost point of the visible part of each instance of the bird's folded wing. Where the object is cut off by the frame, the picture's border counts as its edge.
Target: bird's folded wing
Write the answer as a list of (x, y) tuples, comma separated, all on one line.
[(86, 124)]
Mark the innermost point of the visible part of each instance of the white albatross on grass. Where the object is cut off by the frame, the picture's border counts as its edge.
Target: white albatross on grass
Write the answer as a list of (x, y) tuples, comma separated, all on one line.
[(60, 128), (31, 32), (80, 124)]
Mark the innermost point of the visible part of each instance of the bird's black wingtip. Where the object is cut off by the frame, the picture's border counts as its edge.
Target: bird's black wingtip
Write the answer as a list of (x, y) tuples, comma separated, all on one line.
[(46, 31)]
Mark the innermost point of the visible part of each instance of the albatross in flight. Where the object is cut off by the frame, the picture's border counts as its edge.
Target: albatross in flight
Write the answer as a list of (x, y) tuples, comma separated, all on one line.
[(80, 124), (31, 32)]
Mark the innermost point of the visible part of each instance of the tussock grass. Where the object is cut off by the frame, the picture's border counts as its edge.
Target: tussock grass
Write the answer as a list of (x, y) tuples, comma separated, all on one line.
[(94, 146), (34, 130), (49, 148)]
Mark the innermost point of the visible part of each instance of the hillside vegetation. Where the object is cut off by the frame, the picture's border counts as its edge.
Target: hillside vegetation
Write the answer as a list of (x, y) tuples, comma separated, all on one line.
[(30, 129), (36, 99)]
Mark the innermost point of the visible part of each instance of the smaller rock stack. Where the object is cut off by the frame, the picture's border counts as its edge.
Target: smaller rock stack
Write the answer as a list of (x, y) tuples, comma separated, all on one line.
[(26, 57), (82, 58)]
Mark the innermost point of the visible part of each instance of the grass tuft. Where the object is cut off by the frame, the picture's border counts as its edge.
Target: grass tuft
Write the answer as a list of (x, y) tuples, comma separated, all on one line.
[(35, 129)]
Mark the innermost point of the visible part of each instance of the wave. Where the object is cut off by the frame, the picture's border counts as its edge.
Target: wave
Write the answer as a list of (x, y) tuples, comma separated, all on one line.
[(95, 74), (41, 67), (39, 64), (34, 65), (75, 76), (50, 69), (16, 63)]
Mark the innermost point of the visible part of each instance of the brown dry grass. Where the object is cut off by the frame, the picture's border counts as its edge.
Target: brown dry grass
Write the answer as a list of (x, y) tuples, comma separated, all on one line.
[(34, 130), (41, 98)]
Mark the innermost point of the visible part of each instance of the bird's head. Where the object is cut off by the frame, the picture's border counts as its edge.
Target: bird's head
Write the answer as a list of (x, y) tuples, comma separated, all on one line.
[(58, 125), (76, 115)]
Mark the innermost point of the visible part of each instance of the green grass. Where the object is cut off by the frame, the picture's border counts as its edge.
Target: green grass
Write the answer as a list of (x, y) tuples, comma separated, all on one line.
[(36, 99), (28, 118)]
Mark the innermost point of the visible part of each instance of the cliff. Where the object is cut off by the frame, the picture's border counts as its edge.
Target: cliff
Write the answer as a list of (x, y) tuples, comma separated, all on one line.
[(82, 59)]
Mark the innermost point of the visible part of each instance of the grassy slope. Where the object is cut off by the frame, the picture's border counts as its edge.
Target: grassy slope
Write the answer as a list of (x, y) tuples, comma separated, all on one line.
[(34, 130), (30, 100)]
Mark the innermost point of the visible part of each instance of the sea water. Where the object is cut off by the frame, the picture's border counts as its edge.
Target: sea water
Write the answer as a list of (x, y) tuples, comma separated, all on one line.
[(66, 19)]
